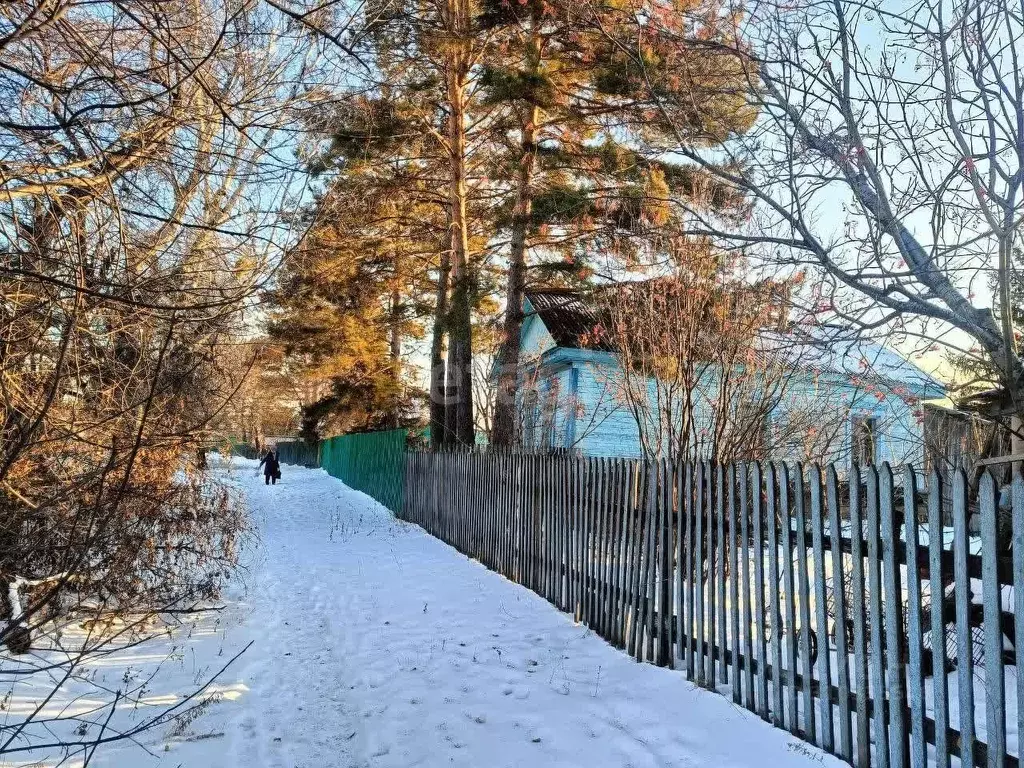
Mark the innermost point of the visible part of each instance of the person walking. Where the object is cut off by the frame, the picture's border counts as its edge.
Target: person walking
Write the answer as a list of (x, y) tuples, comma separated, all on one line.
[(271, 467)]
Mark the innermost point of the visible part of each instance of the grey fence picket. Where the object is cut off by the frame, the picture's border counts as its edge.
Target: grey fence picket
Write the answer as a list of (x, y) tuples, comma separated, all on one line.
[(789, 590), (682, 485), (839, 622), (805, 607), (759, 601), (937, 586), (721, 559), (664, 564), (962, 588), (734, 581), (826, 736), (915, 676), (1017, 500), (689, 507), (858, 610), (896, 695), (700, 502), (876, 658), (747, 602), (774, 621), (995, 690), (708, 636)]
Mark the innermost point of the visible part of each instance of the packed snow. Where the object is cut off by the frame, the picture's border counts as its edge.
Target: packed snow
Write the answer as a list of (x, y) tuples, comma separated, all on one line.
[(374, 644)]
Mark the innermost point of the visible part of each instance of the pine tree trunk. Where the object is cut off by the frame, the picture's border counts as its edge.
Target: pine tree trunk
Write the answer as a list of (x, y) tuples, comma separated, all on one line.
[(438, 392), (504, 430), (460, 333), (396, 342)]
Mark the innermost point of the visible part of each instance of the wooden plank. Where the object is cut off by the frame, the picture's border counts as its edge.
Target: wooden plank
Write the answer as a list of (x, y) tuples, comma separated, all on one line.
[(611, 502), (709, 566), (639, 504), (575, 512), (1011, 459), (614, 548), (594, 548), (537, 522), (593, 532), (600, 543), (858, 613), (915, 675), (940, 688), (734, 582), (682, 484), (840, 619), (789, 592), (759, 602), (582, 479), (698, 570), (775, 640), (747, 601), (1017, 497), (962, 590), (665, 539), (720, 571), (626, 467), (558, 546), (689, 587), (995, 691), (622, 574), (876, 657), (633, 571), (804, 585), (512, 466), (589, 502), (894, 625), (545, 497), (550, 530), (608, 539), (650, 568), (825, 734)]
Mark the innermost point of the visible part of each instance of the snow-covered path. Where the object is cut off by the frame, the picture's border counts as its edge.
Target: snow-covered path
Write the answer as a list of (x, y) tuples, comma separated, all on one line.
[(377, 645), (374, 645)]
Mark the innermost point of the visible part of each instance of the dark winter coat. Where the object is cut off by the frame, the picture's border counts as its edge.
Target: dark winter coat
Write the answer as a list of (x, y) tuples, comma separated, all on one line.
[(271, 465)]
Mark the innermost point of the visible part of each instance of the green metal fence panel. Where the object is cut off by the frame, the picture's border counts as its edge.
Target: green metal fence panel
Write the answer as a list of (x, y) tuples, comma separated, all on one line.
[(298, 452), (372, 462)]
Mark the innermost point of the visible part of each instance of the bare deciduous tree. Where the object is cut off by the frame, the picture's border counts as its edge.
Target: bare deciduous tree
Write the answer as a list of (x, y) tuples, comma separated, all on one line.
[(129, 253), (889, 158)]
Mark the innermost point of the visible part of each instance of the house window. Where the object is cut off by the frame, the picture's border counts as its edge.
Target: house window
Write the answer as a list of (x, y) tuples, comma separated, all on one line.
[(865, 440)]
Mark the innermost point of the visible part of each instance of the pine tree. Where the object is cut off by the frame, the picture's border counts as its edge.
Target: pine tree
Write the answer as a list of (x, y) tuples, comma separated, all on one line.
[(351, 291), (425, 54), (588, 165)]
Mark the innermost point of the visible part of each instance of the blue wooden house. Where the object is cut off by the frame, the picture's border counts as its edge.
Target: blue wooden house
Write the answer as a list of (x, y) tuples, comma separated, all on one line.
[(569, 400)]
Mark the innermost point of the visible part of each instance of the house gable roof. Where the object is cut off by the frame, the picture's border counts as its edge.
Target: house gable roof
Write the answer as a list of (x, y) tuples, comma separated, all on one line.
[(568, 318)]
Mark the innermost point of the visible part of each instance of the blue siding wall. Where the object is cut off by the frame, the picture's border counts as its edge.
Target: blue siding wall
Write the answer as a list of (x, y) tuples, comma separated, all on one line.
[(580, 404), (605, 426)]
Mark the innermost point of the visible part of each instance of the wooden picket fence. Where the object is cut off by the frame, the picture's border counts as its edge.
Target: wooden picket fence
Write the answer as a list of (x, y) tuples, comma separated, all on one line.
[(751, 580)]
